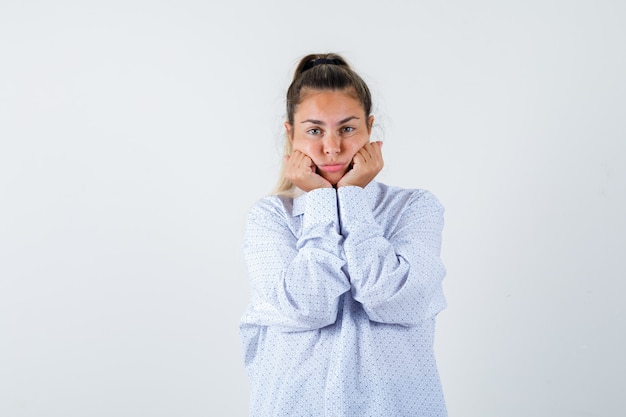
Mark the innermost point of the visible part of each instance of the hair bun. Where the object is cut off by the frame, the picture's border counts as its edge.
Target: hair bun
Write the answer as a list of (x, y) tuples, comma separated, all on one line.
[(314, 60), (320, 61)]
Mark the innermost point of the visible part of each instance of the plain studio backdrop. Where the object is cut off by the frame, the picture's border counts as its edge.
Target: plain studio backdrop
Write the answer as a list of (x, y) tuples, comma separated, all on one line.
[(135, 135)]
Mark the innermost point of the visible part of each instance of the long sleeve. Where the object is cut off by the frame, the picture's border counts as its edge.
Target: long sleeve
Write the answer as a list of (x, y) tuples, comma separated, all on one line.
[(296, 277), (395, 273)]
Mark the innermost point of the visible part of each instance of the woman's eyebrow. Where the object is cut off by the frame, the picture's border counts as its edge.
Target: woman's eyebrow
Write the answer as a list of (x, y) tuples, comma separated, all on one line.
[(315, 122), (347, 119), (319, 122)]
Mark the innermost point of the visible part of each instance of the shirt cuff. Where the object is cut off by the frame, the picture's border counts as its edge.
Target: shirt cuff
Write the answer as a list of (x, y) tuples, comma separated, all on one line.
[(320, 207), (354, 208)]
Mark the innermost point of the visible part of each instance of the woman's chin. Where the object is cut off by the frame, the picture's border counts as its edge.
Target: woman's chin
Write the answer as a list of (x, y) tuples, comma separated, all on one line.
[(333, 178)]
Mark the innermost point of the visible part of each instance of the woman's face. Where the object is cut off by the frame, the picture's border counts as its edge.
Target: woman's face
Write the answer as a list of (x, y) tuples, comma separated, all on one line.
[(329, 127)]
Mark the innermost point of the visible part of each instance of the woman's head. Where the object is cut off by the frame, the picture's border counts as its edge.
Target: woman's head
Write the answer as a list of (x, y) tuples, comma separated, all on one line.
[(325, 87)]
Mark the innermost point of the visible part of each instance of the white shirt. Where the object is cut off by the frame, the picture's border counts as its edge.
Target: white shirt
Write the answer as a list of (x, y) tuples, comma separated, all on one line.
[(345, 287)]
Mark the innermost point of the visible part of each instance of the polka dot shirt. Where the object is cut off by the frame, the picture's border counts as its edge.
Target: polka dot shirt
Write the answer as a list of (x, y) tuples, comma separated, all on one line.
[(345, 287)]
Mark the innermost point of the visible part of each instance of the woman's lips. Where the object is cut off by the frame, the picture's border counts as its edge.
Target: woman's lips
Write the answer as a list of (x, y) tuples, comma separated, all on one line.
[(332, 167)]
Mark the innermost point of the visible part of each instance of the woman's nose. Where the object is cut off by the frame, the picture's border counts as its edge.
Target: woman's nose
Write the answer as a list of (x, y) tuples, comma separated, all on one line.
[(332, 144)]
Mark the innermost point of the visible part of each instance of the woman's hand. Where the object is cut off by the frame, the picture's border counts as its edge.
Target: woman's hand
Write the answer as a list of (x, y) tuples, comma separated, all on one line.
[(300, 170), (366, 164)]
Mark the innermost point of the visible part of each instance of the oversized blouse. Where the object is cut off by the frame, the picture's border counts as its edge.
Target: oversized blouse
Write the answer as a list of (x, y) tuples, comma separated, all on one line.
[(345, 287)]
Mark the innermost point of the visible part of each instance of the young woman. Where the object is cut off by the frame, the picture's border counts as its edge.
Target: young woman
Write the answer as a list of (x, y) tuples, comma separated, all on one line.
[(345, 272)]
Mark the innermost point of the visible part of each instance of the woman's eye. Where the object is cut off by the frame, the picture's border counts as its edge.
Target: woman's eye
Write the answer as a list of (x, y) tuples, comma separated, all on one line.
[(314, 131), (347, 129)]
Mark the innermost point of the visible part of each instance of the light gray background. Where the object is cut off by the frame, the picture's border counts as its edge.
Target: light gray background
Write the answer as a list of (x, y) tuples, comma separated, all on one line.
[(135, 135)]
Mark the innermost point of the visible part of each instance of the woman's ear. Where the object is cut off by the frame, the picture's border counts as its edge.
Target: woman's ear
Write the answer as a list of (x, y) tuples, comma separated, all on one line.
[(370, 123), (289, 131)]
